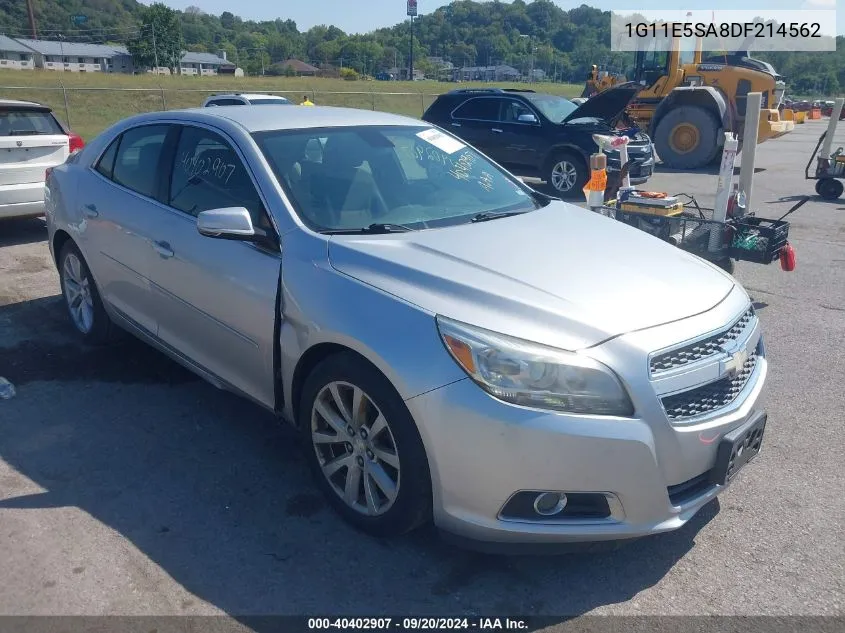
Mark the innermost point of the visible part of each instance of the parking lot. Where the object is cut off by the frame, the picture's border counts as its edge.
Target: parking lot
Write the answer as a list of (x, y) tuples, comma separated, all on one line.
[(129, 486)]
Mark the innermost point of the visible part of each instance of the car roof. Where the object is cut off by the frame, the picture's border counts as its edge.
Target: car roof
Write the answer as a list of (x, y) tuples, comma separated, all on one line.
[(15, 102), (282, 117), (246, 95)]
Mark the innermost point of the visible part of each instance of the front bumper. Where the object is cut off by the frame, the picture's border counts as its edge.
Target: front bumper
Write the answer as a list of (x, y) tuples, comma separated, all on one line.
[(482, 451)]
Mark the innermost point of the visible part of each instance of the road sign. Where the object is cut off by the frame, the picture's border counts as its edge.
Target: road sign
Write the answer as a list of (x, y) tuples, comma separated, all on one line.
[(79, 19), (412, 7)]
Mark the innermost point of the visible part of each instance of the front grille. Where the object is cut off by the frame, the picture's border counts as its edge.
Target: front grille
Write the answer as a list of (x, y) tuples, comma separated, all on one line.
[(710, 397), (701, 349)]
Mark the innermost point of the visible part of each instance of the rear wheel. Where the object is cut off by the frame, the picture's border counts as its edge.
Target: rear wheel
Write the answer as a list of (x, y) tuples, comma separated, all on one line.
[(82, 299), (829, 188), (566, 174), (686, 138)]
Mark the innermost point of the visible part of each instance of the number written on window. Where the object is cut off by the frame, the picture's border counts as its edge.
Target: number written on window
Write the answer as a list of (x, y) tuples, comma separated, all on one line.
[(195, 165)]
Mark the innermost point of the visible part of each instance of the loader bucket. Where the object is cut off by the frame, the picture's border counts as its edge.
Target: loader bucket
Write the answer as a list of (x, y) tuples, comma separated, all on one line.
[(772, 125)]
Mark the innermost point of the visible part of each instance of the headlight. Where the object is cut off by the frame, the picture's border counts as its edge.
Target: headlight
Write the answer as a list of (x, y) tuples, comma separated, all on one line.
[(534, 375)]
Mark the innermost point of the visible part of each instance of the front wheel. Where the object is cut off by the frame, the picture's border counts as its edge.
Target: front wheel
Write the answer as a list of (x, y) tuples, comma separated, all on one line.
[(687, 138), (829, 188), (566, 175), (364, 448)]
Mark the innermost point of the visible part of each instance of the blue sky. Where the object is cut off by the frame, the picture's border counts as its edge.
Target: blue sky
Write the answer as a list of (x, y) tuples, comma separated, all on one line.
[(353, 17)]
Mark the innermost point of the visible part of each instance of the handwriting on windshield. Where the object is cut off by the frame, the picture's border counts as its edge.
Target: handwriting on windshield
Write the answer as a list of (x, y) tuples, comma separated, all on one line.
[(207, 167), (460, 168)]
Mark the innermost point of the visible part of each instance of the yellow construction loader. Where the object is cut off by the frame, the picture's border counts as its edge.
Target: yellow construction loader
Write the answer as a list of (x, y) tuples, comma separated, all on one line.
[(687, 101)]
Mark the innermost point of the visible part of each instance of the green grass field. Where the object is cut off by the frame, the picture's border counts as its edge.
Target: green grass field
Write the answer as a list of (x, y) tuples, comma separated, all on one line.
[(95, 100)]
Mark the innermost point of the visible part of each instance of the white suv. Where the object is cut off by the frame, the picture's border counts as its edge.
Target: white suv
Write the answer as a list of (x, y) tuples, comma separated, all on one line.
[(244, 99), (32, 140)]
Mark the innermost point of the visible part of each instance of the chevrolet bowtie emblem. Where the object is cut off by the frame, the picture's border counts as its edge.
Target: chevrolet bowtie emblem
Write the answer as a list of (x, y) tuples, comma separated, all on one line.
[(733, 365)]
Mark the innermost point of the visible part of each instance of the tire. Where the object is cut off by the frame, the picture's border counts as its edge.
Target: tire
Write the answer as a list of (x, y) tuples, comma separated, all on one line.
[(829, 188), (569, 171), (686, 138), (81, 297), (372, 457)]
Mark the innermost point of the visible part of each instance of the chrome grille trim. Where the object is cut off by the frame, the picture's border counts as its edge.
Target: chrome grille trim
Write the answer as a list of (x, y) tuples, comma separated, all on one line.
[(701, 349), (711, 397)]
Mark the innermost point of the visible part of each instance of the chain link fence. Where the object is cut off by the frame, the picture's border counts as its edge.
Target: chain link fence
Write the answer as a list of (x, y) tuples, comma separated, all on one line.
[(88, 111)]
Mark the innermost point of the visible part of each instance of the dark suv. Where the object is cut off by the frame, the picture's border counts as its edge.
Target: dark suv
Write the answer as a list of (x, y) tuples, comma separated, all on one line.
[(541, 135)]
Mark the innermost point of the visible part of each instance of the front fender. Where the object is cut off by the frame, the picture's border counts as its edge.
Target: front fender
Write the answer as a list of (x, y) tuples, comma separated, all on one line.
[(321, 305)]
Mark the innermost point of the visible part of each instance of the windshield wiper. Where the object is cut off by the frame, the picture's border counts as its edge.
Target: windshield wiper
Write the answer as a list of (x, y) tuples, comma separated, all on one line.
[(377, 228), (485, 216)]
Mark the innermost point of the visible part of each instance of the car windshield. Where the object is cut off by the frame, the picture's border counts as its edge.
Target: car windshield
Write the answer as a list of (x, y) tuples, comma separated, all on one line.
[(351, 178), (555, 109), (27, 123), (279, 101)]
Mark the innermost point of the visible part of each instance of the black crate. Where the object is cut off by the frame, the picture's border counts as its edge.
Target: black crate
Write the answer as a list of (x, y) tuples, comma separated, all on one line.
[(758, 240)]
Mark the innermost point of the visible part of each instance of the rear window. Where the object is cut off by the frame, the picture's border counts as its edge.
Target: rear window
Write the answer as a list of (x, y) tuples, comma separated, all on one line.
[(225, 102), (281, 101), (27, 123)]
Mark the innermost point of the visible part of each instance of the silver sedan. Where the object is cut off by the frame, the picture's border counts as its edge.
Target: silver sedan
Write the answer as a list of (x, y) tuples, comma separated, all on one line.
[(450, 344)]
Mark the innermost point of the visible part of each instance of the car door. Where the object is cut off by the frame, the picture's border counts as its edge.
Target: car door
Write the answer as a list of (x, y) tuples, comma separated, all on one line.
[(475, 121), (118, 211), (215, 299), (522, 142)]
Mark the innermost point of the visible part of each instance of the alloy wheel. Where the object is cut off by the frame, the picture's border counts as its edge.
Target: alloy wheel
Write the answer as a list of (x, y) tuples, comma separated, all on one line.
[(77, 291), (355, 448), (564, 176)]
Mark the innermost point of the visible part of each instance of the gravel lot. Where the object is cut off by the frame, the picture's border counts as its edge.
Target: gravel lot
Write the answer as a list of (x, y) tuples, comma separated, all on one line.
[(128, 486)]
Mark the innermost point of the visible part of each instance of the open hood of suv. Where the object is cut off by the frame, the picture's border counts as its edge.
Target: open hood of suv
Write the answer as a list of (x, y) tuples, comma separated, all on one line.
[(607, 105)]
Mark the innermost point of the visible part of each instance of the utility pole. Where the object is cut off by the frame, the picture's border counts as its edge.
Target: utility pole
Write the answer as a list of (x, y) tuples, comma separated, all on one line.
[(155, 48), (31, 19), (411, 65)]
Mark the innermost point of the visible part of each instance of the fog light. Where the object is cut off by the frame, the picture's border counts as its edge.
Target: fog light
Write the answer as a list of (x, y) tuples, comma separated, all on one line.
[(549, 503)]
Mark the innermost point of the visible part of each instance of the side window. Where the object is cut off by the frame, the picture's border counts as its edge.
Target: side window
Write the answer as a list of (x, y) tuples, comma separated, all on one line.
[(106, 163), (687, 52), (743, 87), (208, 174), (138, 156), (512, 110), (479, 109)]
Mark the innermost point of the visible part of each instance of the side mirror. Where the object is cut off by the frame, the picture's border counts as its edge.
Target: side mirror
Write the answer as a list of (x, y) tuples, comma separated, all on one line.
[(231, 223), (527, 118)]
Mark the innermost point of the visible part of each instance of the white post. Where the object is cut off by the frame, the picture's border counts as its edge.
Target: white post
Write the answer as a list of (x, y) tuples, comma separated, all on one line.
[(831, 127), (723, 190), (749, 145), (623, 158)]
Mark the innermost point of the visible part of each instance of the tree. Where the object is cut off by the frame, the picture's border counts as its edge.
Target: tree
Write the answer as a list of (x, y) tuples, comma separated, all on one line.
[(160, 42)]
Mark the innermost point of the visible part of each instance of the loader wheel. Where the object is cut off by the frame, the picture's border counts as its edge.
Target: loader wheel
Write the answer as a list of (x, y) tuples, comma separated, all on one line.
[(686, 138), (828, 188)]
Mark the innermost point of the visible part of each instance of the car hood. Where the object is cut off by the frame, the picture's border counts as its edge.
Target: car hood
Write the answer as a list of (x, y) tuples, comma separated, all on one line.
[(606, 105), (561, 275)]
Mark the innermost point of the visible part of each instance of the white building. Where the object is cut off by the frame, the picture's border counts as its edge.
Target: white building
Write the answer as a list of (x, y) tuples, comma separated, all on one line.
[(14, 55), (63, 56), (202, 64)]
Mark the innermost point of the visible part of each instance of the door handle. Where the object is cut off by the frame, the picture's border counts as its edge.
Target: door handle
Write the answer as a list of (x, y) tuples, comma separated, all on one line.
[(456, 125), (163, 249), (90, 211), (497, 130)]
